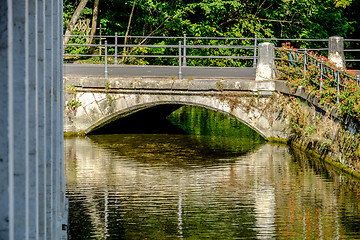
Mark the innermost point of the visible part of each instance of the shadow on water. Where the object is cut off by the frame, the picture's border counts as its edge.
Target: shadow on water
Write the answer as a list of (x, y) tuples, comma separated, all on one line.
[(173, 149)]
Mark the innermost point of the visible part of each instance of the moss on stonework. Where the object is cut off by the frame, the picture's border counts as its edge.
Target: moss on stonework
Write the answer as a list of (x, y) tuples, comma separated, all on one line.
[(319, 135), (71, 134)]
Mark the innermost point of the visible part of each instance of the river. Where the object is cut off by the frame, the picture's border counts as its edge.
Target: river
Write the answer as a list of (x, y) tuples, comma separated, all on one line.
[(219, 181)]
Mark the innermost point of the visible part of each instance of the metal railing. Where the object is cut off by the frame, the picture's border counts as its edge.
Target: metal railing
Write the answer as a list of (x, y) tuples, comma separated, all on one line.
[(187, 43), (170, 47), (302, 60), (352, 48), (183, 51)]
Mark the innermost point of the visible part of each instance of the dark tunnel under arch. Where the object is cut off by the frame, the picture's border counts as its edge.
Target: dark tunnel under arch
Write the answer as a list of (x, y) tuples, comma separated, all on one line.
[(145, 120), (149, 119)]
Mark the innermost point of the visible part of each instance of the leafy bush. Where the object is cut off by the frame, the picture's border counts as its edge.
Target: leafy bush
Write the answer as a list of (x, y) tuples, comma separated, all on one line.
[(320, 80)]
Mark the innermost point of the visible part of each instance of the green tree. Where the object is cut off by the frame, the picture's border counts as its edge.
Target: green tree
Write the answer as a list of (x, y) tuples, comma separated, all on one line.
[(317, 19), (73, 21)]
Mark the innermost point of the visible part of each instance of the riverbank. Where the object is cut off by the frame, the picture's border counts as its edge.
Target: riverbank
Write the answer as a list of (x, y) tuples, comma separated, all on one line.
[(318, 131), (340, 168)]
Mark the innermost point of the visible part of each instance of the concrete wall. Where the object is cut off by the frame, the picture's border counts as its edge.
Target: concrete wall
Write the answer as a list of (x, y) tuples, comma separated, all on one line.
[(32, 186)]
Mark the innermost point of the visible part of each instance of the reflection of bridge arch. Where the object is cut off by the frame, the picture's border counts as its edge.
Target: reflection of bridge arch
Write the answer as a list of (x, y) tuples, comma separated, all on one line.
[(99, 109)]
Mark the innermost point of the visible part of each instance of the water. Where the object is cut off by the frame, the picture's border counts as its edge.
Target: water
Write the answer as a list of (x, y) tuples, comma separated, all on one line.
[(170, 186)]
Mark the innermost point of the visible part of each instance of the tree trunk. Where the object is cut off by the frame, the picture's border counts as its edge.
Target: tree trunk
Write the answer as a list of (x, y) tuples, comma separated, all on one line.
[(94, 21), (128, 27), (73, 21)]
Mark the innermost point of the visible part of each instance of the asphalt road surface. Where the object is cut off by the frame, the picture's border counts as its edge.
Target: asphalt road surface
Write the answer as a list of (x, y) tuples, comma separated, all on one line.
[(158, 71)]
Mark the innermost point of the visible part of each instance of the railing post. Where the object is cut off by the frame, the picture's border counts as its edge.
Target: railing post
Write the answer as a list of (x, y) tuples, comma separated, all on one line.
[(115, 57), (106, 60), (305, 58), (265, 69), (321, 73), (338, 86), (255, 50), (336, 51), (180, 71), (100, 43), (184, 53)]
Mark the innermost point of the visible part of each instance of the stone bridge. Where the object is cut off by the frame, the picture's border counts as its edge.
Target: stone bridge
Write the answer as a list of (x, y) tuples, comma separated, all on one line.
[(94, 103)]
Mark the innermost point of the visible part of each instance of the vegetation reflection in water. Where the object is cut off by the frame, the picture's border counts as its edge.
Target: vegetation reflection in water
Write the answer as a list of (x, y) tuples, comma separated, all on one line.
[(164, 186)]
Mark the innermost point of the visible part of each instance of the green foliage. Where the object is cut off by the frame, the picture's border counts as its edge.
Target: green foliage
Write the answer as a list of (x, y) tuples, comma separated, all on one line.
[(220, 18), (237, 18), (78, 49), (343, 3), (220, 86), (69, 8), (73, 104), (71, 89)]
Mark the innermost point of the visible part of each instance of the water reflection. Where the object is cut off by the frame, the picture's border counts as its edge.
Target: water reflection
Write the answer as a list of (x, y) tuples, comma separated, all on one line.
[(180, 150), (141, 186)]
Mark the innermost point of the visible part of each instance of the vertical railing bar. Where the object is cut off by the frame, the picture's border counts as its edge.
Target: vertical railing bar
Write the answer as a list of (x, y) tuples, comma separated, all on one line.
[(184, 52), (180, 71), (338, 86), (100, 42), (106, 60), (115, 57), (255, 53), (321, 74), (305, 53)]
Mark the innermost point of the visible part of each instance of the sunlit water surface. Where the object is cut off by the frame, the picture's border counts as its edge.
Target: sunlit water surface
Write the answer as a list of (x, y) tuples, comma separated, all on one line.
[(165, 186)]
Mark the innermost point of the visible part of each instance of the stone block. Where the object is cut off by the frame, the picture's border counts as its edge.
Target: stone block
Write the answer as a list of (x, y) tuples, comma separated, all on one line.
[(336, 51), (265, 69), (94, 82)]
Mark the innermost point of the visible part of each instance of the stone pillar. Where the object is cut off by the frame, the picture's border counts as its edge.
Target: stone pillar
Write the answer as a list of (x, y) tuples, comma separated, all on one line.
[(32, 127), (49, 155), (4, 122), (41, 148), (336, 51), (18, 120), (265, 70), (31, 144)]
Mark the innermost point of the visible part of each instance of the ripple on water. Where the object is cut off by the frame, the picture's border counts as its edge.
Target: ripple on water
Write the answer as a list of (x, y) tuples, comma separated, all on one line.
[(140, 186)]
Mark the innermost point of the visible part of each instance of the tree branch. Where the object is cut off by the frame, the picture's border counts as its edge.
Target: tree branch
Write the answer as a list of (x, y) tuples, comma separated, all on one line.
[(260, 19)]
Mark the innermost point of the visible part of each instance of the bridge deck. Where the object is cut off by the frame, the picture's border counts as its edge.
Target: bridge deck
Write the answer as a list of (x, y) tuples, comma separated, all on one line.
[(158, 71)]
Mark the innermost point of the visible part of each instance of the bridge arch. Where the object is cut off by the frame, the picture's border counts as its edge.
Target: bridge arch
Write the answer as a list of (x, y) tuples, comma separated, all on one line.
[(169, 107), (96, 110)]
